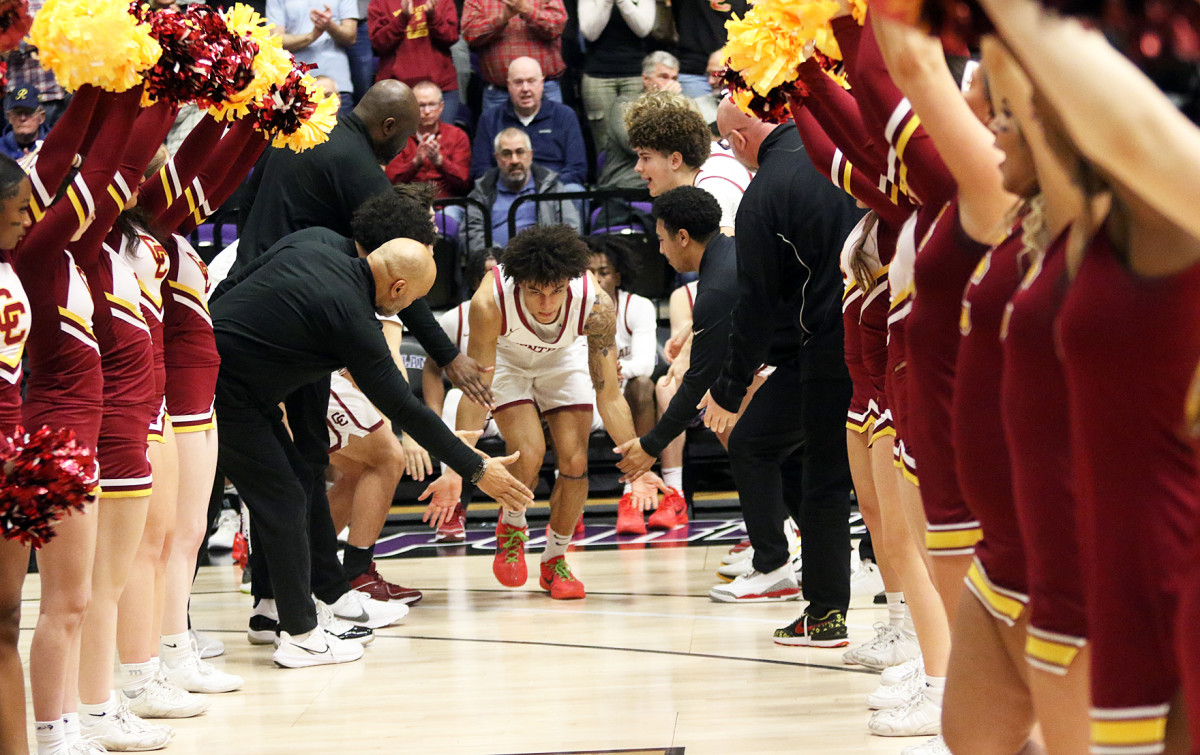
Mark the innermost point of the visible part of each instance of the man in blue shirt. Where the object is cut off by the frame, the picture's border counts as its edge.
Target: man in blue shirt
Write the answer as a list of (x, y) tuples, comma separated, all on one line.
[(320, 32), (553, 128), (516, 176), (26, 122)]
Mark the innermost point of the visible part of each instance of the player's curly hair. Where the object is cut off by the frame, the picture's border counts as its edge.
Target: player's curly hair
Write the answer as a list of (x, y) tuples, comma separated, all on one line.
[(667, 122), (391, 215), (545, 254), (686, 208), (619, 254)]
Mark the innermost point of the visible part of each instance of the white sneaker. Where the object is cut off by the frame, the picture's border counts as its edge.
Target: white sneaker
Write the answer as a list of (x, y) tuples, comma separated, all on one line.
[(229, 523), (756, 587), (264, 623), (935, 746), (209, 646), (894, 695), (85, 746), (340, 628), (891, 647), (318, 649), (163, 699), (850, 657), (919, 717), (735, 556), (866, 580), (121, 731), (731, 571), (897, 674), (361, 609), (195, 675)]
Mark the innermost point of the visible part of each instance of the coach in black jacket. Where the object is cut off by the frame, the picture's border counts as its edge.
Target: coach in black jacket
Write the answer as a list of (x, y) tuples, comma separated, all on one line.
[(789, 445)]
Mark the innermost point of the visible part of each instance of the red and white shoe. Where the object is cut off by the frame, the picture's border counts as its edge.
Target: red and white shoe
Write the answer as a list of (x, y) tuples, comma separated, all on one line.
[(580, 530), (373, 584), (629, 517), (454, 529), (558, 579), (671, 512), (756, 587), (509, 562)]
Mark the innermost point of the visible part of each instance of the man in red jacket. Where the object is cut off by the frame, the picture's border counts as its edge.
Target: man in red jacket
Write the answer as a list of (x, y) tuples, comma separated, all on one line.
[(412, 39), (438, 153)]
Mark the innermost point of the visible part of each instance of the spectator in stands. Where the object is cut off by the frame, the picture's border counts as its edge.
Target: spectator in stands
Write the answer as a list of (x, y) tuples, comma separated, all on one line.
[(616, 41), (501, 31), (660, 73), (708, 102), (701, 28), (23, 66), (439, 152), (675, 148), (516, 176), (552, 127), (26, 122), (360, 54), (413, 39), (318, 34)]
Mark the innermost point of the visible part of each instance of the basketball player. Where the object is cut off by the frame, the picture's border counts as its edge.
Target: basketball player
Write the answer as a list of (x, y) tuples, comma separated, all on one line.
[(527, 320)]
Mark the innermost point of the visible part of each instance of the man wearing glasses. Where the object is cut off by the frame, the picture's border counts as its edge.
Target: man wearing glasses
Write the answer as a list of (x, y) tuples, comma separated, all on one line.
[(439, 153), (26, 122), (515, 176)]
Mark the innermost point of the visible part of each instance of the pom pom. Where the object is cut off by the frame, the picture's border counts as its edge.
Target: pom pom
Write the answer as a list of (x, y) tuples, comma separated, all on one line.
[(772, 108), (93, 42), (775, 37), (271, 65), (298, 114), (14, 23), (43, 477), (202, 61)]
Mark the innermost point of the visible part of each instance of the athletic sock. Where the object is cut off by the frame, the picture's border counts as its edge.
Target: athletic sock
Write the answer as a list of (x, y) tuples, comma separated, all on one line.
[(556, 545), (514, 518), (909, 628), (357, 561), (134, 677), (935, 688), (673, 477), (91, 713), (50, 735), (628, 489), (895, 604), (174, 648), (71, 728)]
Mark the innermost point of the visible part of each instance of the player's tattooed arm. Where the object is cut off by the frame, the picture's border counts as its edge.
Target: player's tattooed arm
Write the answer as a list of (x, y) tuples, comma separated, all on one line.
[(601, 331)]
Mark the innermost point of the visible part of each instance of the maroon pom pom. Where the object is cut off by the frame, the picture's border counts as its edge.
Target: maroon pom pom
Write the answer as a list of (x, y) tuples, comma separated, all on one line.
[(14, 23), (202, 60), (774, 107), (43, 477), (285, 106)]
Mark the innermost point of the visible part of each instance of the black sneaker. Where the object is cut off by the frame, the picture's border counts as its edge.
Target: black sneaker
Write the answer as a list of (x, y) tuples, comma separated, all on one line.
[(828, 631)]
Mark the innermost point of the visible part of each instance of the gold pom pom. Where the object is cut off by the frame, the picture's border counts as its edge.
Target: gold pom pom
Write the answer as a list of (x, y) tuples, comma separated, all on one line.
[(95, 42), (272, 64), (776, 36), (315, 129)]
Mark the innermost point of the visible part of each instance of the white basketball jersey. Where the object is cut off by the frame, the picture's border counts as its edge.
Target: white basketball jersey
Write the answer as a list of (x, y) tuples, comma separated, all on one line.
[(519, 328), (14, 323)]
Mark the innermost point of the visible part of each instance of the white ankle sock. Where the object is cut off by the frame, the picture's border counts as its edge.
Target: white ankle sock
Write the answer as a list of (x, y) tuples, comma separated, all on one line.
[(514, 518), (673, 476), (174, 648), (133, 677), (935, 688), (895, 605), (909, 628), (89, 714), (556, 546), (50, 735), (627, 489), (71, 727)]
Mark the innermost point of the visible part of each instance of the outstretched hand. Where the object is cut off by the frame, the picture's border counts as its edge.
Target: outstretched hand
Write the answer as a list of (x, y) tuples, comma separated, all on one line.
[(716, 418), (499, 484), (443, 494), (465, 374), (645, 490), (635, 460)]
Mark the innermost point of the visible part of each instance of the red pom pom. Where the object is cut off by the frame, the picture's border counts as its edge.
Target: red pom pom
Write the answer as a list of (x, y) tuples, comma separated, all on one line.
[(202, 60), (43, 477), (15, 23), (774, 107), (286, 106)]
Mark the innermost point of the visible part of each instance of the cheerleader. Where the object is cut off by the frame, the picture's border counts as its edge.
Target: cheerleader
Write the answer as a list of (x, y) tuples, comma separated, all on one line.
[(1129, 336), (15, 192)]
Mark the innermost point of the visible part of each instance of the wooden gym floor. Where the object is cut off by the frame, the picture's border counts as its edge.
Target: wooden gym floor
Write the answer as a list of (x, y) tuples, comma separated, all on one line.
[(645, 664)]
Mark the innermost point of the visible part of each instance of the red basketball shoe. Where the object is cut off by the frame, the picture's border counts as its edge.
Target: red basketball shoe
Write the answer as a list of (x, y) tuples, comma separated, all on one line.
[(373, 584), (671, 512), (509, 563), (629, 517), (558, 579)]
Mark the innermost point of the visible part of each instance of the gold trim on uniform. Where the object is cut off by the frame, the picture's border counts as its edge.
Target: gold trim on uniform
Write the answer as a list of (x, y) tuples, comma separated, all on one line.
[(952, 539), (1005, 605), (1051, 652), (1129, 731)]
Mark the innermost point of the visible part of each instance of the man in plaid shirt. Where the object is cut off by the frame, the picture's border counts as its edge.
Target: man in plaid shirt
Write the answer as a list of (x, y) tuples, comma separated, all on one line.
[(503, 30)]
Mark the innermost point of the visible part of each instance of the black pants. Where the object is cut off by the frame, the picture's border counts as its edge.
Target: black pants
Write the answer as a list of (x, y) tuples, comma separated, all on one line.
[(306, 411), (789, 449), (273, 479)]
